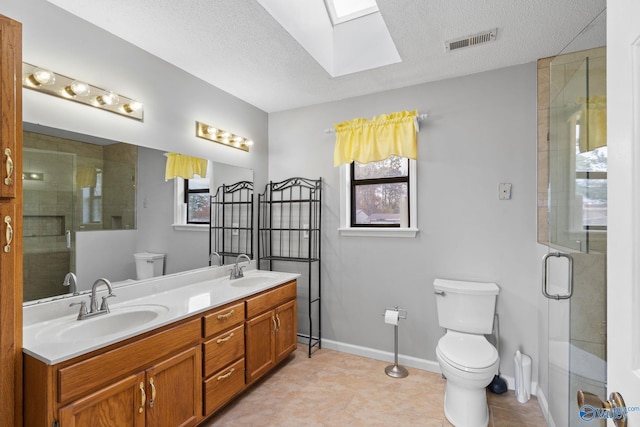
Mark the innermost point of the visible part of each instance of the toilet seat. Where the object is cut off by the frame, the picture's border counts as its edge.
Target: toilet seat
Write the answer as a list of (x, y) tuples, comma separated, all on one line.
[(467, 352)]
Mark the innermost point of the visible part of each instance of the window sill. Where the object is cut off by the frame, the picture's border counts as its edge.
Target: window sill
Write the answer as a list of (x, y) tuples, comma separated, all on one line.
[(190, 227), (377, 232)]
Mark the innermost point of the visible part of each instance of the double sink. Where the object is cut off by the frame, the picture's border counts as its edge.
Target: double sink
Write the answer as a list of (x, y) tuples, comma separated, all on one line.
[(138, 307)]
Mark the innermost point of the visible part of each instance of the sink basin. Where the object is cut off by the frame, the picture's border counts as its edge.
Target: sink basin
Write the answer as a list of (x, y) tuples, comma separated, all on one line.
[(118, 321), (252, 279)]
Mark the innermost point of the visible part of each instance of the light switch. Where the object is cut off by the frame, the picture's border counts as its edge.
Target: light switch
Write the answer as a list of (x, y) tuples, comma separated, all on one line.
[(504, 191)]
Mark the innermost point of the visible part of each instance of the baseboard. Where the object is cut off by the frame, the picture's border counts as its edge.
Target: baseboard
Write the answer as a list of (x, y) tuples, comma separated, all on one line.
[(385, 356), (544, 407)]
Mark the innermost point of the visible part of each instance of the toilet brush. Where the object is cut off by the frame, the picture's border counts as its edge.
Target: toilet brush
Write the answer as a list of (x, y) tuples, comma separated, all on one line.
[(498, 385)]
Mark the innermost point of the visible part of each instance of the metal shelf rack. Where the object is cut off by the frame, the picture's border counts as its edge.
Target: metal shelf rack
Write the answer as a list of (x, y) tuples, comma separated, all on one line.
[(231, 221), (289, 230)]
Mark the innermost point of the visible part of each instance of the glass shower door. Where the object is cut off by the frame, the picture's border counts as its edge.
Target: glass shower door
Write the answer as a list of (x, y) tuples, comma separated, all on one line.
[(577, 230), (48, 188)]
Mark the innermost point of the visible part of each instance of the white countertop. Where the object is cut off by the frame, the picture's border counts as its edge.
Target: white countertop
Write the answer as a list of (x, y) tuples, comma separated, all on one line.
[(52, 334)]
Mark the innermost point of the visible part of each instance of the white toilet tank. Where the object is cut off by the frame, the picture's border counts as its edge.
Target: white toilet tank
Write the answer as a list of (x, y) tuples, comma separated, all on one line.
[(149, 265), (466, 306)]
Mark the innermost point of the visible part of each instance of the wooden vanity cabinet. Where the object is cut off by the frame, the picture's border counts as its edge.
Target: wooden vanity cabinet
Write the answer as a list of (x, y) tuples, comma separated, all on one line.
[(141, 382), (10, 221), (271, 330), (174, 376)]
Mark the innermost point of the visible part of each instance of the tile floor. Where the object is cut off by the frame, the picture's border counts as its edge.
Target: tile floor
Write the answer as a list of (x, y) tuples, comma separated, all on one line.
[(339, 389)]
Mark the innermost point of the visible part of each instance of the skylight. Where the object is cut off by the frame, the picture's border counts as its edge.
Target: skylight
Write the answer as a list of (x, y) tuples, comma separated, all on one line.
[(342, 11)]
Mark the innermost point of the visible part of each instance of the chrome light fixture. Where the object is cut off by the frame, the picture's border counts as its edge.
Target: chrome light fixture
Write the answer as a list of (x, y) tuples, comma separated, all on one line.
[(222, 136), (51, 83)]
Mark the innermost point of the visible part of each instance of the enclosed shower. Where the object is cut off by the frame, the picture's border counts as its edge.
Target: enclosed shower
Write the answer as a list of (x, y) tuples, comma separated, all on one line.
[(572, 215)]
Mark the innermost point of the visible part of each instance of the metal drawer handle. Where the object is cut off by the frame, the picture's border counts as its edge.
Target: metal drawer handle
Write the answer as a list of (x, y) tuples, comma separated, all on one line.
[(227, 375), (9, 166), (225, 339), (143, 398), (153, 392), (225, 316), (8, 234)]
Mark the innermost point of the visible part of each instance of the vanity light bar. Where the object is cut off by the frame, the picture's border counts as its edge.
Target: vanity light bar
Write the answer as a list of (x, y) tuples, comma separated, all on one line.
[(46, 81), (223, 137)]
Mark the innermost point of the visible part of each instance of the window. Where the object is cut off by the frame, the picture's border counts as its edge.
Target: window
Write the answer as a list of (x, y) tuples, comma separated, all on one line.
[(380, 193), (591, 188), (198, 200), (341, 11), (379, 198), (92, 201)]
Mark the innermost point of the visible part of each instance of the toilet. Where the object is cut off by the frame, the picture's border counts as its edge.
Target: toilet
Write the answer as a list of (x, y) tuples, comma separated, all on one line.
[(467, 360), (149, 265)]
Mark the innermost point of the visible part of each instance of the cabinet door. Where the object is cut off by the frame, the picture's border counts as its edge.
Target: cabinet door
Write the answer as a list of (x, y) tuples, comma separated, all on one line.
[(287, 336), (11, 195), (10, 107), (260, 345), (119, 405), (174, 390)]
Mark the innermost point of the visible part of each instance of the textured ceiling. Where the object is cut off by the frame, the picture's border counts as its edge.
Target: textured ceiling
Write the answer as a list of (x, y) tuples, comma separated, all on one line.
[(238, 47)]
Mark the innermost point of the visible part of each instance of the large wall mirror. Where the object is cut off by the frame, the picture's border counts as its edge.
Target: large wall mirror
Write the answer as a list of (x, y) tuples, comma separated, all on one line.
[(91, 203)]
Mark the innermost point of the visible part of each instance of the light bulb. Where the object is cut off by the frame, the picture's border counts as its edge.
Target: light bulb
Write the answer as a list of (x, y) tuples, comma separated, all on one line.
[(132, 106), (108, 98), (210, 130), (41, 77), (77, 88), (248, 143)]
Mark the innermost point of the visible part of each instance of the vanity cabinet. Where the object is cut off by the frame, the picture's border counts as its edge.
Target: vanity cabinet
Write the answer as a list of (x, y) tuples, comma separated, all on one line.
[(10, 220), (271, 330), (173, 376)]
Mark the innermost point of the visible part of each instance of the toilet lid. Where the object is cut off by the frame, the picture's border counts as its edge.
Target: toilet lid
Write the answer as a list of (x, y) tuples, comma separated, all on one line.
[(467, 352)]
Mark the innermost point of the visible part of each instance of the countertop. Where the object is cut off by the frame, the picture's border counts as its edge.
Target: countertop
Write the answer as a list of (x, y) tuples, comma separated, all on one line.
[(49, 325)]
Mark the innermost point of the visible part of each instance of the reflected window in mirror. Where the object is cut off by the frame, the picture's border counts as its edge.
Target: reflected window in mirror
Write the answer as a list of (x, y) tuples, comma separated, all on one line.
[(197, 198), (92, 200)]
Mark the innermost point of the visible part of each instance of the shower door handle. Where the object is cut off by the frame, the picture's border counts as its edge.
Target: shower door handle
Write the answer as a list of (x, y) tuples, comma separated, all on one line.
[(545, 288), (68, 236)]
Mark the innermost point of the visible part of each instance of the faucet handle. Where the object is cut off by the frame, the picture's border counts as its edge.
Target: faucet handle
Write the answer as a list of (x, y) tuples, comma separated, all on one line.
[(105, 306), (83, 309)]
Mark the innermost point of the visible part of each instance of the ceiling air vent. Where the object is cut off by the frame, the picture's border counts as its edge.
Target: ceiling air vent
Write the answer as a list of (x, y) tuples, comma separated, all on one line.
[(471, 40)]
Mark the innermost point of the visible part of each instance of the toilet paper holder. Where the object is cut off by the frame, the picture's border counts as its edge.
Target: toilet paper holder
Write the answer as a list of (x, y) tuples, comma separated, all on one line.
[(395, 370), (402, 313)]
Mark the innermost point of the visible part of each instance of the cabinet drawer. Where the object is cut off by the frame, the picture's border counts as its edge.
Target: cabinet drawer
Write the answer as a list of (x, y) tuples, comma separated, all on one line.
[(222, 386), (271, 299), (223, 349), (223, 319)]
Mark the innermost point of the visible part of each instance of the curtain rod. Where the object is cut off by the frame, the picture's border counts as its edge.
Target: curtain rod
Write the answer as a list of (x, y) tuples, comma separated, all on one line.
[(419, 117)]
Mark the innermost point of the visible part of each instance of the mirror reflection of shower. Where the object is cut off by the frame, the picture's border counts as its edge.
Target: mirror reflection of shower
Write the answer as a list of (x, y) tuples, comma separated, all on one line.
[(70, 186)]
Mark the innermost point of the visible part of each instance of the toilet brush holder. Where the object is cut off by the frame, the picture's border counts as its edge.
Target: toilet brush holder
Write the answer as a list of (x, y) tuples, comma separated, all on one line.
[(392, 316)]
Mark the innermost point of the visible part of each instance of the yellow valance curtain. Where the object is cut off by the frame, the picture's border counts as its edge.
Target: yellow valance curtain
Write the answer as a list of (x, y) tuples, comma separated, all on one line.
[(86, 177), (593, 123), (186, 167), (372, 140)]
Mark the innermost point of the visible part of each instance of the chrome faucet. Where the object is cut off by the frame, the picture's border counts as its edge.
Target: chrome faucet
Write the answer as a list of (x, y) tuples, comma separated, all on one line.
[(71, 281), (93, 303), (218, 256), (236, 271)]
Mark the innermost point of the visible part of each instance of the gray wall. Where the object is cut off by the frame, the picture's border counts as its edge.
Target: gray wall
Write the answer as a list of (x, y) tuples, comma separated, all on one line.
[(481, 131)]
